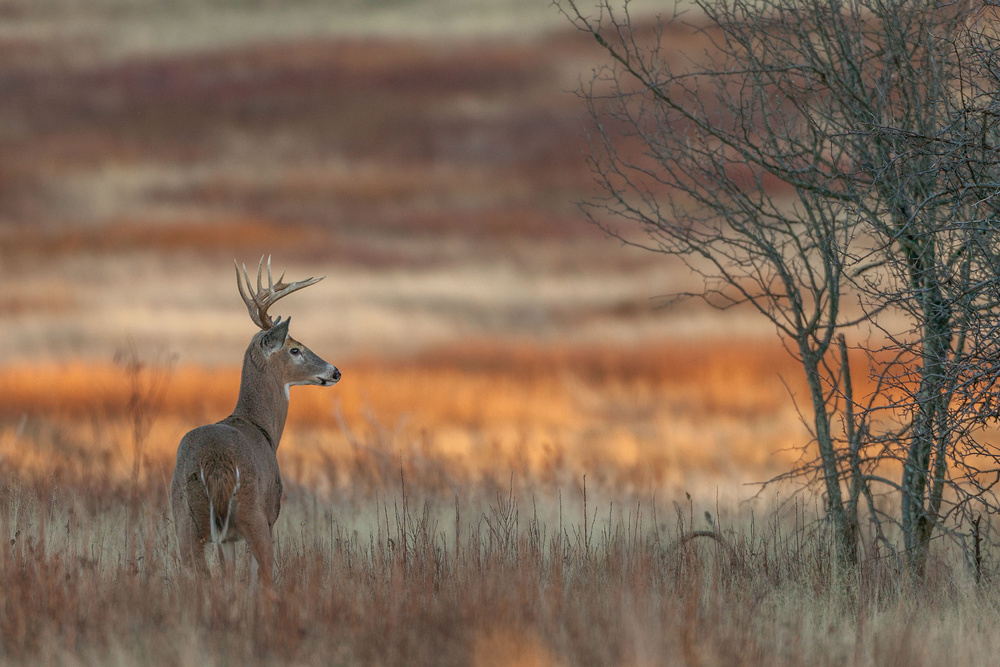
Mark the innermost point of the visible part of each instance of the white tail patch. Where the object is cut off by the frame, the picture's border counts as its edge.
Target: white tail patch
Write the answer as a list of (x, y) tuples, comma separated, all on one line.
[(218, 530)]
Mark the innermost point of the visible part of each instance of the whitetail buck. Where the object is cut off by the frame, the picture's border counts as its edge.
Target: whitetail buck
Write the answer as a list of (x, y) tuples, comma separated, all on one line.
[(226, 484)]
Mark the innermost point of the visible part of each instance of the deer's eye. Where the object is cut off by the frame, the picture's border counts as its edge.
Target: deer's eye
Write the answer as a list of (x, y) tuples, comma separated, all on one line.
[(294, 351)]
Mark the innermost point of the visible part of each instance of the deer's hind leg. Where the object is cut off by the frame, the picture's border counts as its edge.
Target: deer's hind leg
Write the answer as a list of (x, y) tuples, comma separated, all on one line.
[(257, 533), (190, 543), (191, 547)]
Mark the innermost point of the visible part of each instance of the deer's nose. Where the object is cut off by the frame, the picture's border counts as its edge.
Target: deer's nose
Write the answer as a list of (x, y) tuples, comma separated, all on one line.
[(336, 374)]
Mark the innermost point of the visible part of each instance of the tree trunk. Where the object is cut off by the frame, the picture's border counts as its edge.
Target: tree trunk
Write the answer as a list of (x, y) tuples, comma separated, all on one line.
[(922, 482), (844, 526)]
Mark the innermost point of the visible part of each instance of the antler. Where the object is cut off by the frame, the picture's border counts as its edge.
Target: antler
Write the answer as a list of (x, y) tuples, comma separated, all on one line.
[(257, 304)]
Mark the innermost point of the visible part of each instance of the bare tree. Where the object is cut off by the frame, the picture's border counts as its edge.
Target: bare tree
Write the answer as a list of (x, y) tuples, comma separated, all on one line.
[(808, 165), (932, 218)]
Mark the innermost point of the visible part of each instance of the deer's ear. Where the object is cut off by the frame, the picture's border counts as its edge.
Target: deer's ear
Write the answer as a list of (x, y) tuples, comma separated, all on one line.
[(275, 337)]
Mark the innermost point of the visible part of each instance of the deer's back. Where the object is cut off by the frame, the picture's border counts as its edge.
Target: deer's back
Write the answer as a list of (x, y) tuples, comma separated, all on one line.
[(221, 444)]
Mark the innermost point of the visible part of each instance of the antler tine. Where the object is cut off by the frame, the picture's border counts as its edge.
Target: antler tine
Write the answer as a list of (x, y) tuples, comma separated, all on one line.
[(257, 304), (247, 294), (260, 267)]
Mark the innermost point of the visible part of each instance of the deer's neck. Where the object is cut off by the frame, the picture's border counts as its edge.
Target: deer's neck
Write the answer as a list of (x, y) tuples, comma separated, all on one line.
[(263, 399)]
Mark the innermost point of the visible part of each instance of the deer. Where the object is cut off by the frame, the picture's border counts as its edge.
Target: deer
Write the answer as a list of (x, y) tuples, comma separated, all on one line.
[(226, 484)]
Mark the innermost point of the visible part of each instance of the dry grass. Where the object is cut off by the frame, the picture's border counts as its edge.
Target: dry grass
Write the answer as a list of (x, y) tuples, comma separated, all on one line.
[(457, 534), (475, 581)]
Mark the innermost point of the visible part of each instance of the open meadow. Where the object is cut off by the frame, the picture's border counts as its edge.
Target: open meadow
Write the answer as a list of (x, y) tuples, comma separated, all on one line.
[(489, 507), (531, 459)]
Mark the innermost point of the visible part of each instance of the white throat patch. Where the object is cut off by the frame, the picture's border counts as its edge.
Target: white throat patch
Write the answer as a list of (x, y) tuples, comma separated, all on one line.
[(289, 385)]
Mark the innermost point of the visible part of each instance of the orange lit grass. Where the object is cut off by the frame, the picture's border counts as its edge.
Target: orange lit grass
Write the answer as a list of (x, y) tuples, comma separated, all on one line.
[(635, 419)]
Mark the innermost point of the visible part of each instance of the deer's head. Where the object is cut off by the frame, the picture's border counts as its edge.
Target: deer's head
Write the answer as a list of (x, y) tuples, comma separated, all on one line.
[(272, 350)]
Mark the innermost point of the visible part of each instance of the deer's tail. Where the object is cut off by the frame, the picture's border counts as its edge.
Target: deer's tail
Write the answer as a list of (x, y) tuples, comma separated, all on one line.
[(221, 480)]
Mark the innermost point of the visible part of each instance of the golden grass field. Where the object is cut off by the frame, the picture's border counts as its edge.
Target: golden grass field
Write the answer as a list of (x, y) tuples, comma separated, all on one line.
[(434, 514), (526, 437), (634, 421)]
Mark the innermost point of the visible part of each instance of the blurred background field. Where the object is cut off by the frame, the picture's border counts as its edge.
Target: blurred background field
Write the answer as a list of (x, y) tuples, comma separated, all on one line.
[(427, 159)]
